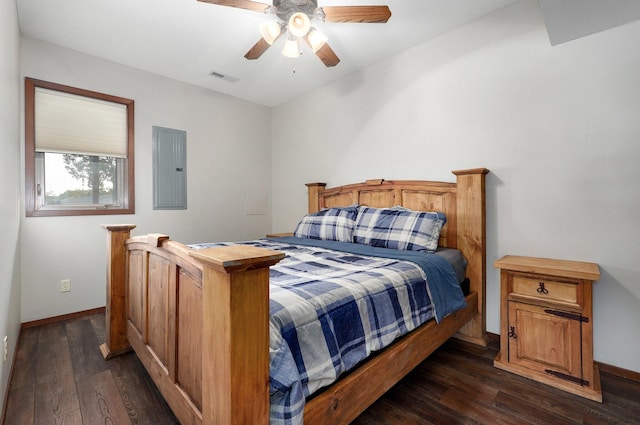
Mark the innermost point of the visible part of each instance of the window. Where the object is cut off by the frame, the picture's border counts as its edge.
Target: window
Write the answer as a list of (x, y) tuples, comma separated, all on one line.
[(78, 151)]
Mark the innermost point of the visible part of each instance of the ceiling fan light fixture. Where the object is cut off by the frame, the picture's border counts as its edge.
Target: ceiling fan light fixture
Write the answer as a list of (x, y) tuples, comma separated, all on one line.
[(270, 31), (291, 48), (294, 17), (299, 24), (316, 39)]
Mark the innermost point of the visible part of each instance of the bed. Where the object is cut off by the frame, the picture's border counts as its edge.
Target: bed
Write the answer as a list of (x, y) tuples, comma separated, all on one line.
[(213, 367)]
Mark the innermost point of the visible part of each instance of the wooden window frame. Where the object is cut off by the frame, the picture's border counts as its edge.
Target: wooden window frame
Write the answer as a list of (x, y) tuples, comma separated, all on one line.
[(30, 153)]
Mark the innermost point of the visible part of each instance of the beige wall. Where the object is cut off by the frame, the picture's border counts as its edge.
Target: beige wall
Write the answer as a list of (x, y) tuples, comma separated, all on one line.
[(557, 126), (10, 189), (228, 168)]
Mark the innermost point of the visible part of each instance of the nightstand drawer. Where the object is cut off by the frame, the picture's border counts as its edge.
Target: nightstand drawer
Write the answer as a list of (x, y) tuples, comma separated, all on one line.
[(546, 289)]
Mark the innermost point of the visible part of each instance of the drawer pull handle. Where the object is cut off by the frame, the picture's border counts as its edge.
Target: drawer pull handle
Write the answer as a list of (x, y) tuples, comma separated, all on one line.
[(512, 332), (541, 289)]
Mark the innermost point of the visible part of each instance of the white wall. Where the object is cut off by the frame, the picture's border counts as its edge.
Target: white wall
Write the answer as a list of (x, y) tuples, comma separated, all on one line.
[(228, 164), (10, 187), (557, 126)]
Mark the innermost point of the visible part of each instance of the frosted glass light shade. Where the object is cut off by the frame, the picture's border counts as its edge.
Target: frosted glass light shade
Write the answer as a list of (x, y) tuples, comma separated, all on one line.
[(299, 24), (291, 48), (270, 31)]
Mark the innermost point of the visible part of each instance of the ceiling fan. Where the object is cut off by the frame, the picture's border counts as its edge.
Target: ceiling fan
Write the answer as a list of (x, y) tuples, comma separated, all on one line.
[(294, 17)]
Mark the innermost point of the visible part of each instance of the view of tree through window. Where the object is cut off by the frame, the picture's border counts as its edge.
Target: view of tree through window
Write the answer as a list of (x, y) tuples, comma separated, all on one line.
[(79, 179)]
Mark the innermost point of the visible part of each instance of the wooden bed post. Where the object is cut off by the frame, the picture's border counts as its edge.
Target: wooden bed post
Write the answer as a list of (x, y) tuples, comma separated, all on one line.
[(116, 321), (471, 239), (235, 334), (315, 189)]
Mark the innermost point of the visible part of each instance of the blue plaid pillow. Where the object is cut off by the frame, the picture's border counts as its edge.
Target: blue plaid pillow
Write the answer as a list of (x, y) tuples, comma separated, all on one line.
[(398, 228), (331, 224)]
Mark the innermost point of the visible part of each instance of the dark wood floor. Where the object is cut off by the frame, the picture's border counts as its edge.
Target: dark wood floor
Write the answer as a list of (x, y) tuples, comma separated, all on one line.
[(60, 378)]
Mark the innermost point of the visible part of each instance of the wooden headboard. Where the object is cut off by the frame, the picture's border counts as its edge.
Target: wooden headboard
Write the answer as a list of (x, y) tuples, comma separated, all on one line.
[(463, 203)]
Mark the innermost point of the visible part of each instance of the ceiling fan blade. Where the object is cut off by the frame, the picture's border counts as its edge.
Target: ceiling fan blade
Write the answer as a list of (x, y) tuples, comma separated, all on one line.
[(365, 14), (327, 56), (257, 50), (240, 4), (260, 47)]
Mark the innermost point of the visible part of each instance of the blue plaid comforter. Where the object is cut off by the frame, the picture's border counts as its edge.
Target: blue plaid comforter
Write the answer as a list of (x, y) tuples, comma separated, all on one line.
[(333, 303)]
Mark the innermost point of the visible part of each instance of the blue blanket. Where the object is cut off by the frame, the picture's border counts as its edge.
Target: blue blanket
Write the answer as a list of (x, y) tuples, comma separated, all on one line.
[(334, 303), (445, 295)]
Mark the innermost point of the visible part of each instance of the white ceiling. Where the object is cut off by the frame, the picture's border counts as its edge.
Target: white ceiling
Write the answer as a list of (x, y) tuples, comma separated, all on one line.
[(188, 40)]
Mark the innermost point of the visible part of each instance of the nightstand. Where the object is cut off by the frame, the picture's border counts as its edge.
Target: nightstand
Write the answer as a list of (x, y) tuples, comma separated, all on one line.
[(279, 235), (546, 322)]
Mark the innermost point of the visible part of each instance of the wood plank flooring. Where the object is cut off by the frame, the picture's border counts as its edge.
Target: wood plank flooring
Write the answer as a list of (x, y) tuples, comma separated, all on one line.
[(61, 378)]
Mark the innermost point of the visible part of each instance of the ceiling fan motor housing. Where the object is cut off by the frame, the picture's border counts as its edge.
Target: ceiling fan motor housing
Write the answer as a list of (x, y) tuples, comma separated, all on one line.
[(286, 8)]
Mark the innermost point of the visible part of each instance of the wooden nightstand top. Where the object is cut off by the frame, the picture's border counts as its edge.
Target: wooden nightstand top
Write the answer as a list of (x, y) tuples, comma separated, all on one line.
[(279, 235), (550, 267)]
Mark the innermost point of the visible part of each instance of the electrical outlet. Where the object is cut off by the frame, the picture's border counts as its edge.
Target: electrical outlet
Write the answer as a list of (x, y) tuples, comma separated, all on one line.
[(5, 350), (65, 285)]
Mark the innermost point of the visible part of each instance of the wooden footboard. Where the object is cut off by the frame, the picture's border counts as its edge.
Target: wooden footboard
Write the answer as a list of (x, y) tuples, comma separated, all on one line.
[(178, 307), (199, 320)]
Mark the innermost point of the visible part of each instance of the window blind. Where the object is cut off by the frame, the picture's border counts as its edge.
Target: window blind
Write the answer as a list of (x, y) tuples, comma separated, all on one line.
[(68, 123)]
